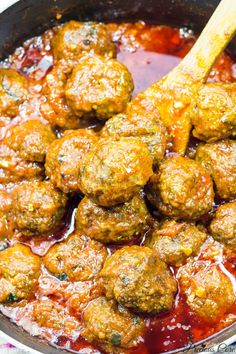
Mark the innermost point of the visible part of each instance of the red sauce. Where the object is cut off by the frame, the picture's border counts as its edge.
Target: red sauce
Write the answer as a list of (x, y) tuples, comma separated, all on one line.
[(149, 52)]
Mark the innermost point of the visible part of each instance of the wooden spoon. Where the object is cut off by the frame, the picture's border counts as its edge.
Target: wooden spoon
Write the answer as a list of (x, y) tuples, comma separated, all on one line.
[(171, 96)]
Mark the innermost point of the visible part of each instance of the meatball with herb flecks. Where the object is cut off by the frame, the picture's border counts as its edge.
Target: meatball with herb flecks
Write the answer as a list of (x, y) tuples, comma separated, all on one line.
[(115, 170), (111, 325), (19, 273), (136, 278), (119, 224), (13, 91), (182, 189), (31, 139), (78, 258), (15, 169), (50, 314), (64, 158), (74, 39), (99, 87), (144, 125), (176, 241), (54, 107), (39, 208), (219, 159), (214, 112), (209, 290), (223, 226)]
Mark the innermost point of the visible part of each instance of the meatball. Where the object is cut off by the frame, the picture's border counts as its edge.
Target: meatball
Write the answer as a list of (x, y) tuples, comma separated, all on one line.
[(111, 325), (120, 223), (136, 278), (114, 171), (182, 189), (39, 208), (31, 139), (19, 273), (6, 204), (144, 125), (78, 258), (98, 86), (175, 242), (50, 314), (223, 226), (214, 114), (64, 157), (219, 159), (74, 39), (54, 107), (208, 289), (13, 91), (14, 169)]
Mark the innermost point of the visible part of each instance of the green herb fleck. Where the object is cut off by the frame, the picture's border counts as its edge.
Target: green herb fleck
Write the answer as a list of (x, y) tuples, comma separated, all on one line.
[(62, 276), (116, 340), (12, 298)]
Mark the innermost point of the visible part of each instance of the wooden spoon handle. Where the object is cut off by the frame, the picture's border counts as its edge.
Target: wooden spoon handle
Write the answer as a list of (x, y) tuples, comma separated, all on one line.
[(212, 41)]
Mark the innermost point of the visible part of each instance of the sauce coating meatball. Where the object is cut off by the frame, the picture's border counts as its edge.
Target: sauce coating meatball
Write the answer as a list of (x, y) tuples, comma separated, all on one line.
[(50, 314), (13, 91), (15, 169), (64, 157), (39, 208), (114, 171), (19, 273), (120, 223), (208, 289), (31, 139), (144, 125), (175, 242), (182, 189), (78, 258), (214, 114), (136, 278), (74, 39), (223, 226), (99, 87), (54, 107), (6, 204), (219, 159), (111, 325)]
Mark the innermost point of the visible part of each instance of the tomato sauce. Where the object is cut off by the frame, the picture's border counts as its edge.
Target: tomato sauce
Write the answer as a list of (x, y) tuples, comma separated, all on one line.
[(149, 52)]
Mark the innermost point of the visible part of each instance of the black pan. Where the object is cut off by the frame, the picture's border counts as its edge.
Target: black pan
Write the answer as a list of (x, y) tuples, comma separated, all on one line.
[(28, 18)]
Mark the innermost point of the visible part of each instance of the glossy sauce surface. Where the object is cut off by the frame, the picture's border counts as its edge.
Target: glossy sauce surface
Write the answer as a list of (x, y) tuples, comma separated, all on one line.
[(149, 52)]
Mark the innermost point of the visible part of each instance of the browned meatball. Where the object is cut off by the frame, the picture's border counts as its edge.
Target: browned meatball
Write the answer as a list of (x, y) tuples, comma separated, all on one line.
[(99, 87), (144, 125), (54, 107), (74, 39), (219, 159), (31, 139), (13, 91), (19, 273), (223, 226), (64, 157), (120, 223), (114, 171), (6, 204), (175, 242), (111, 325), (14, 169), (78, 258), (50, 314), (214, 114), (181, 189), (208, 289), (136, 278), (39, 208)]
